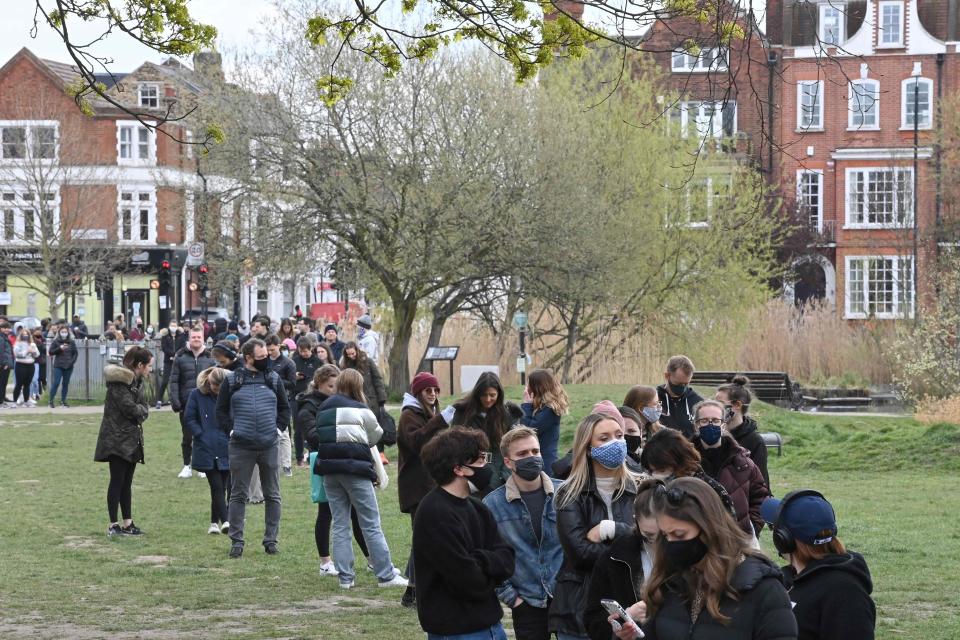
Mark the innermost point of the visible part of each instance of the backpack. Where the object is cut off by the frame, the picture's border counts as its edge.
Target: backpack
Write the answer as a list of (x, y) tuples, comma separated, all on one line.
[(271, 380), (389, 426)]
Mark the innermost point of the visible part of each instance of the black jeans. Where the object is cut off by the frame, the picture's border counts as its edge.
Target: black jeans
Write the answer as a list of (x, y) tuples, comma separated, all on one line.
[(119, 489), (530, 623), (321, 530), (23, 378), (186, 442), (165, 380), (219, 481), (4, 379), (409, 571)]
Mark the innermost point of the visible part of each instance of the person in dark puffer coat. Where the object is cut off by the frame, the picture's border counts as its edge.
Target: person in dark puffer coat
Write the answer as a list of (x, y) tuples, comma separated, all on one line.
[(210, 444), (703, 558), (64, 352)]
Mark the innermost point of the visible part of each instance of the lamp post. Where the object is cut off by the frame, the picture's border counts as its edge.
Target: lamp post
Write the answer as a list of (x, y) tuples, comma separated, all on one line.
[(916, 146), (520, 322)]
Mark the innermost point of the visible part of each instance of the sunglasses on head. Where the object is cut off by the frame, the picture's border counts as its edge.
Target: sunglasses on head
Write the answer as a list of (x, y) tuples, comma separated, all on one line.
[(673, 495)]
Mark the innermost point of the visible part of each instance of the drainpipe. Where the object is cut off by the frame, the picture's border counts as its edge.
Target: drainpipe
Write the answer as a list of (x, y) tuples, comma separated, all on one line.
[(771, 63), (937, 147)]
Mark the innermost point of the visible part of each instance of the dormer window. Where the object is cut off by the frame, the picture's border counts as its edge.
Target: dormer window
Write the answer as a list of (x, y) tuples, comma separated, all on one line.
[(149, 95), (832, 23), (891, 24)]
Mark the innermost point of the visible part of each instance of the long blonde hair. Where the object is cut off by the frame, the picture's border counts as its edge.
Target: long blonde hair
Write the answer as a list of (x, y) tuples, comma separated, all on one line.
[(580, 472), (548, 392), (350, 384)]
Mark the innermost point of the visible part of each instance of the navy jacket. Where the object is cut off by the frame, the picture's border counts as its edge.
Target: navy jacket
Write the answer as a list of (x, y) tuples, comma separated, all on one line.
[(252, 407), (546, 423), (209, 441)]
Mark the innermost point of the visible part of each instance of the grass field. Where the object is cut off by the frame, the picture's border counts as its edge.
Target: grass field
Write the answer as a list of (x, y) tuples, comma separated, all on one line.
[(893, 482)]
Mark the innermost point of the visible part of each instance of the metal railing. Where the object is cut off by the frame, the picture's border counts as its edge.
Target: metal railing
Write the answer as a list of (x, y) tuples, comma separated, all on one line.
[(87, 382)]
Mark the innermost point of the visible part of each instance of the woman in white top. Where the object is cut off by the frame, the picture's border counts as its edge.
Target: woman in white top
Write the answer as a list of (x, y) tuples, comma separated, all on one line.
[(25, 353)]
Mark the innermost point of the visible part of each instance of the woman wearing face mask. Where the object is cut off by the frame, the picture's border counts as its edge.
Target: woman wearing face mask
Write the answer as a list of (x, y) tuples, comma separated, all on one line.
[(644, 401), (633, 436), (736, 402), (64, 352), (25, 354), (594, 506), (730, 464), (621, 573), (829, 585), (707, 581), (544, 402)]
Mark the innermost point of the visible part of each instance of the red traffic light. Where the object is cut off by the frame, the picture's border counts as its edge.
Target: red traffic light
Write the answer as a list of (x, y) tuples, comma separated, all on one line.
[(202, 268), (165, 264)]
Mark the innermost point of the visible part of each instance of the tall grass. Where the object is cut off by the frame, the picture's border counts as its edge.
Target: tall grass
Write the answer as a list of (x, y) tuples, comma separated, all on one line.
[(814, 345)]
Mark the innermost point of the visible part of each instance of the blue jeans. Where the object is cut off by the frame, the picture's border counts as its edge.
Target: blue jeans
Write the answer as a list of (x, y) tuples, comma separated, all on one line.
[(345, 491), (495, 632), (60, 375)]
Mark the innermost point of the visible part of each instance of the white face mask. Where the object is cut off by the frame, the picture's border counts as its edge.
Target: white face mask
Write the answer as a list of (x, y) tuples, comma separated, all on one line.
[(63, 335)]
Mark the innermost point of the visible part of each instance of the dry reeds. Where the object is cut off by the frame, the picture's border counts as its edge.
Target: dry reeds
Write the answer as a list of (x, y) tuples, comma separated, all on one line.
[(932, 410)]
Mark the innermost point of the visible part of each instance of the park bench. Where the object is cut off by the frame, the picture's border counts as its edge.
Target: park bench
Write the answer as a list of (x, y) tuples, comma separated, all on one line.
[(774, 387), (773, 440)]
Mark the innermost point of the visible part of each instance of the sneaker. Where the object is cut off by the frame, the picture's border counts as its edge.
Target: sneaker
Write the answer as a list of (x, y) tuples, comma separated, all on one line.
[(409, 598), (131, 530), (347, 585), (396, 571), (271, 549), (214, 528), (287, 471), (327, 569), (236, 550), (186, 472), (50, 404), (158, 405), (225, 527), (383, 458), (201, 474), (31, 403), (64, 404), (396, 581), (114, 530)]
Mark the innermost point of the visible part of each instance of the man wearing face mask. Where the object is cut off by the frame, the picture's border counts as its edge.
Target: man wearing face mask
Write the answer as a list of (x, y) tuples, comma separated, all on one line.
[(252, 408), (677, 396), (284, 367), (459, 555), (172, 339), (527, 520)]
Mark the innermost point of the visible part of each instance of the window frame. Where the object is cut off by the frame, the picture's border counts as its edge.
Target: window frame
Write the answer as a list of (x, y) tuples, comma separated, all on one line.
[(686, 120), (896, 267), (800, 108), (851, 93), (848, 208), (697, 67), (155, 86), (135, 126), (881, 32), (822, 8), (136, 190), (906, 98), (20, 211), (801, 173), (29, 127)]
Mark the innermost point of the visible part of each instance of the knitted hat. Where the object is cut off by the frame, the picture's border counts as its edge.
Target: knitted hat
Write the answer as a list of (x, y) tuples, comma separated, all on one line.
[(290, 344), (608, 409), (423, 380), (330, 327), (365, 321), (231, 337), (226, 348)]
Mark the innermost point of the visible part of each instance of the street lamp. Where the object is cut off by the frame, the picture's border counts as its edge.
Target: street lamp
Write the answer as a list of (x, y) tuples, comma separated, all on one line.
[(520, 322), (917, 67)]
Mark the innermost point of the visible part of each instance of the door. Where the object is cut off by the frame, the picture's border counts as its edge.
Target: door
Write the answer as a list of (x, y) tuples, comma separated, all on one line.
[(136, 304)]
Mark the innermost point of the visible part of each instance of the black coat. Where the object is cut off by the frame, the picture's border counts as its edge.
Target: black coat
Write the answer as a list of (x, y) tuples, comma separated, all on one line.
[(306, 367), (305, 420), (170, 344), (761, 613), (373, 388), (414, 430), (183, 376), (678, 412), (748, 437), (124, 410), (618, 575), (580, 555), (832, 597), (64, 352)]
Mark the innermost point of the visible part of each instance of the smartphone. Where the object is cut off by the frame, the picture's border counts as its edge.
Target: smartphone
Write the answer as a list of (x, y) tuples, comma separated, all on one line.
[(613, 608)]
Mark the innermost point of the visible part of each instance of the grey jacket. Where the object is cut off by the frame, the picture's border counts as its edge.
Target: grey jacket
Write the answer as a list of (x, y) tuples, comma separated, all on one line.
[(252, 407), (183, 375), (6, 352)]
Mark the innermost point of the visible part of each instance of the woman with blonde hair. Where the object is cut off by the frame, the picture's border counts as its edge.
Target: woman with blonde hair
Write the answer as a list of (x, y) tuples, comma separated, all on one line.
[(210, 444), (594, 506), (544, 402)]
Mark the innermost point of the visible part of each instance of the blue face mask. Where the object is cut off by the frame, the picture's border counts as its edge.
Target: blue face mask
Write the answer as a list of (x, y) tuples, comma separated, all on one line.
[(652, 414), (611, 455), (710, 434)]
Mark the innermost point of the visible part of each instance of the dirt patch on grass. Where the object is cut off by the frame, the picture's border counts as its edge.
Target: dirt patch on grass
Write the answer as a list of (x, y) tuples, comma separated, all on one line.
[(157, 561)]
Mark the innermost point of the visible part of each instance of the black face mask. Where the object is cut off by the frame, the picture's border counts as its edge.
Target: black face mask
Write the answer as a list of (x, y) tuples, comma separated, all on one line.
[(682, 554), (261, 364), (633, 442), (677, 389), (481, 476), (528, 468)]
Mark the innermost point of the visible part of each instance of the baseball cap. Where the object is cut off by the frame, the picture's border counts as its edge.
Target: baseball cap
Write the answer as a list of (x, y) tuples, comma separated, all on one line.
[(805, 516)]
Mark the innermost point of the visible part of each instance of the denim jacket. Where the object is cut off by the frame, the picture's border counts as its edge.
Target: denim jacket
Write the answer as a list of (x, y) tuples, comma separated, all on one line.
[(538, 562)]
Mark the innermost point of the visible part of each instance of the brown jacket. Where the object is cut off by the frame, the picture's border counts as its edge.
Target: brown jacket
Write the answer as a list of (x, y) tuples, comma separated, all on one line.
[(731, 466)]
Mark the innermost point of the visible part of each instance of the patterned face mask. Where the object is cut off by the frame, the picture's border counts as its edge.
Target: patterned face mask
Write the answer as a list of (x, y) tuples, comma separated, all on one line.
[(611, 454)]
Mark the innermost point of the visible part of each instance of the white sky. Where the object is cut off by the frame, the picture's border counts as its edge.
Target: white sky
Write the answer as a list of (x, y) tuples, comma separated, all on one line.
[(234, 19)]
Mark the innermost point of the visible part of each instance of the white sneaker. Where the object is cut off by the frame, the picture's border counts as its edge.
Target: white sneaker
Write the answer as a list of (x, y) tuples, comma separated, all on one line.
[(327, 569), (186, 472), (396, 571), (214, 528), (31, 403), (225, 527), (397, 581), (347, 585), (201, 474)]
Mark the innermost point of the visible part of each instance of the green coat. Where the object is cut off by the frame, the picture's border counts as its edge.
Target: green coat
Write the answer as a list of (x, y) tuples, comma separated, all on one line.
[(125, 409)]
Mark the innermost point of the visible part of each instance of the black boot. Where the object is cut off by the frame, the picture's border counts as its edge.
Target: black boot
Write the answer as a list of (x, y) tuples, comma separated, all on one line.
[(409, 599)]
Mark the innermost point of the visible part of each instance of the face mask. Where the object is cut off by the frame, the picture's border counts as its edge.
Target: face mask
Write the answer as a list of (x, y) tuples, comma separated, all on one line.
[(677, 389), (362, 332), (480, 479), (284, 352), (150, 330), (682, 554), (172, 328), (262, 364), (710, 434), (610, 455), (529, 468), (63, 335), (651, 413), (633, 442)]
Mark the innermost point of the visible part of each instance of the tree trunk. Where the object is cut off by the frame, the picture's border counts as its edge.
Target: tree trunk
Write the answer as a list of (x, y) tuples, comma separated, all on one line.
[(569, 349), (436, 332), (404, 314)]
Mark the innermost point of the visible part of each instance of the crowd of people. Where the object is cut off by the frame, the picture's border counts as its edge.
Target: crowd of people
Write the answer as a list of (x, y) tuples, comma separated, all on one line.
[(648, 526)]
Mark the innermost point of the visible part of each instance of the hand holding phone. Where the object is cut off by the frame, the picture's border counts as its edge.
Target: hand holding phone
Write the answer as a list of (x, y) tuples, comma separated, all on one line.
[(620, 619)]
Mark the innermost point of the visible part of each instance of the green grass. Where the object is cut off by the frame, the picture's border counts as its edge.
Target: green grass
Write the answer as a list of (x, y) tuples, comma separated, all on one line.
[(891, 481)]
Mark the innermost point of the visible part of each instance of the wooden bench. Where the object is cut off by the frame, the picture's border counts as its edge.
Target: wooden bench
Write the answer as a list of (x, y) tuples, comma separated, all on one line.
[(774, 387)]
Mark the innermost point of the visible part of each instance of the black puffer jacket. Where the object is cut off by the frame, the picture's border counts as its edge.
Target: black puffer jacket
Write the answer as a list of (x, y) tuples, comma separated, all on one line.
[(832, 598), (618, 575), (183, 376), (580, 555), (748, 437), (308, 406), (124, 410), (763, 611), (64, 352)]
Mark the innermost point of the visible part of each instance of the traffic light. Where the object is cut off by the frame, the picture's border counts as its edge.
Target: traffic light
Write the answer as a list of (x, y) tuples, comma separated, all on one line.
[(203, 270), (164, 274)]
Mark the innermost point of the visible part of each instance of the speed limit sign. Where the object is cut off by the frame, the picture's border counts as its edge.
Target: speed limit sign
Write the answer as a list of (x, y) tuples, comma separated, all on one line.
[(195, 253)]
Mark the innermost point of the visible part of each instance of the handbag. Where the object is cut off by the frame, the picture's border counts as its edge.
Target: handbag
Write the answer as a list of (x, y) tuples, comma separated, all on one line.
[(389, 426), (317, 492)]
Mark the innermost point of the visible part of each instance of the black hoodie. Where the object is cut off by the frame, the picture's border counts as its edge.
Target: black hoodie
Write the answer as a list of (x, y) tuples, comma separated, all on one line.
[(832, 598), (678, 412), (748, 437)]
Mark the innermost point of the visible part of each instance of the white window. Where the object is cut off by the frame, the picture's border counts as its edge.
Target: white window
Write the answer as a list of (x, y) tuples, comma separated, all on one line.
[(879, 197), (188, 144), (28, 139), (708, 119), (716, 59), (810, 104), (26, 218), (136, 144), (702, 197), (137, 216), (149, 95), (832, 23), (916, 97), (864, 105), (879, 287), (810, 198), (891, 25)]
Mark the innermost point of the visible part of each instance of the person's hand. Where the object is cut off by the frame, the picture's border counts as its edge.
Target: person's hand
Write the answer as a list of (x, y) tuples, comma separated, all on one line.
[(299, 375), (628, 631), (594, 534), (517, 602), (638, 611), (526, 395)]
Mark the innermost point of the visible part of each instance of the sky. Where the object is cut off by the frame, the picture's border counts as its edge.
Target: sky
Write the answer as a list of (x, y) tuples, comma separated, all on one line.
[(234, 19)]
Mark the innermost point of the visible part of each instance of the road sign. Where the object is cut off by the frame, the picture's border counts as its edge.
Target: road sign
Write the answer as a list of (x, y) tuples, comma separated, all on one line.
[(195, 254)]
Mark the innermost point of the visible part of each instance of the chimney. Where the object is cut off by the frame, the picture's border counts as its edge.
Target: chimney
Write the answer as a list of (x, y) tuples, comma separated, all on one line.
[(572, 8), (774, 27), (209, 65)]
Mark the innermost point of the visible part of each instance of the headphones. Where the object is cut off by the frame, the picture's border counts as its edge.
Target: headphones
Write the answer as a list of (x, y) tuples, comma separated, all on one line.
[(783, 539)]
